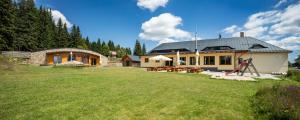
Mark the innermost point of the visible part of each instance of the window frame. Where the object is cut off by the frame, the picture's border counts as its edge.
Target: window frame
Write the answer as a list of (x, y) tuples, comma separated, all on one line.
[(226, 62), (182, 63), (209, 60), (190, 61), (146, 60), (73, 57)]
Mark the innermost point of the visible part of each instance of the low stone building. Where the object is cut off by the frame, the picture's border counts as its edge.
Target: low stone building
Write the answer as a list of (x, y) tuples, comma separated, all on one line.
[(131, 61), (59, 56)]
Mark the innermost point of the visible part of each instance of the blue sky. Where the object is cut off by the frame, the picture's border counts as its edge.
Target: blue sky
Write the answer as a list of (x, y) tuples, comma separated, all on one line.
[(158, 21)]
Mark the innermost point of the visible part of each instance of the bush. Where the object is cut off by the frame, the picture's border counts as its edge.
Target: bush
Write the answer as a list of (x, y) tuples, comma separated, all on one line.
[(278, 103), (293, 75)]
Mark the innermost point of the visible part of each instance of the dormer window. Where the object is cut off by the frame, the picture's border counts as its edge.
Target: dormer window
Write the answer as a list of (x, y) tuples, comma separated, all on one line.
[(257, 46), (217, 48)]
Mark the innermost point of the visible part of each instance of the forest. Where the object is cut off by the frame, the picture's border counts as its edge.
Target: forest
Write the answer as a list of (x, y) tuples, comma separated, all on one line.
[(25, 27)]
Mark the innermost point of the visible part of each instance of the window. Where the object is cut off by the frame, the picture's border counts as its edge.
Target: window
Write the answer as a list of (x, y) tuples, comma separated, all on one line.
[(217, 48), (225, 60), (209, 60), (182, 60), (257, 46), (157, 61), (146, 60), (199, 60), (71, 58), (192, 60)]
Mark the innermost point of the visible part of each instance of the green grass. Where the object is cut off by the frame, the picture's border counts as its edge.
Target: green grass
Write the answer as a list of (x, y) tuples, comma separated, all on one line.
[(122, 93)]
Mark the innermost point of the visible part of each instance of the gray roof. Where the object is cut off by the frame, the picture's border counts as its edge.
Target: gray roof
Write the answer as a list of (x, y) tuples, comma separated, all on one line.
[(237, 43), (134, 58)]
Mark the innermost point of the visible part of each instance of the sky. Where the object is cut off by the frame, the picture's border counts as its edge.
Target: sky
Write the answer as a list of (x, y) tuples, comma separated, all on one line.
[(158, 21)]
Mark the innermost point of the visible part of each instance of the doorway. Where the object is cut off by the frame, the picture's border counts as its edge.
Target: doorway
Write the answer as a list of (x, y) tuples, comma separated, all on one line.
[(93, 61), (57, 59), (169, 63)]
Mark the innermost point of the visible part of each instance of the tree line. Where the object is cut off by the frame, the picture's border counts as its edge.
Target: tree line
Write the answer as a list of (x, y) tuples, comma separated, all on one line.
[(23, 27)]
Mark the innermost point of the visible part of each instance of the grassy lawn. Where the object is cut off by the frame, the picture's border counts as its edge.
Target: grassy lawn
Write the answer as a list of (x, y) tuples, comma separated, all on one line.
[(122, 93)]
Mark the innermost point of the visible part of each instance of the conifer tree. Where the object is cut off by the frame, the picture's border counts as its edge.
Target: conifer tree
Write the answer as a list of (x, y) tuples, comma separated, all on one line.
[(7, 24), (87, 42), (99, 46), (45, 29), (137, 48), (72, 42), (59, 34), (65, 38), (144, 51), (111, 45), (128, 51), (26, 26), (94, 46), (105, 50)]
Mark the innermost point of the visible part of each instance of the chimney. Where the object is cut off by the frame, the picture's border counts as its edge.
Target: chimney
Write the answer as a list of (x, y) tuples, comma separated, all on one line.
[(242, 34)]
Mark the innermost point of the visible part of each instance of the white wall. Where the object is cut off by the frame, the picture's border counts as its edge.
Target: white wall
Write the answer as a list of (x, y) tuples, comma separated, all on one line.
[(269, 62)]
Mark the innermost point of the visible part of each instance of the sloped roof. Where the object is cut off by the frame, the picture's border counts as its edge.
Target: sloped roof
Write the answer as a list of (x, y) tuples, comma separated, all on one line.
[(237, 43), (134, 58)]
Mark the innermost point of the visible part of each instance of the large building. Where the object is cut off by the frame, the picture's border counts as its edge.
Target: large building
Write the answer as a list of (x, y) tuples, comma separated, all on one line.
[(221, 54), (60, 56)]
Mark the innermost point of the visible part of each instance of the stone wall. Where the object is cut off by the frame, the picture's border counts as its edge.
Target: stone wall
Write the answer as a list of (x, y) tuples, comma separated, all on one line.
[(104, 60), (16, 54), (38, 58)]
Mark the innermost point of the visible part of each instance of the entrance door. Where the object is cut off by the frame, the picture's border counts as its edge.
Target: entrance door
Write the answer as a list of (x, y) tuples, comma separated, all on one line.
[(94, 61), (169, 63), (57, 59)]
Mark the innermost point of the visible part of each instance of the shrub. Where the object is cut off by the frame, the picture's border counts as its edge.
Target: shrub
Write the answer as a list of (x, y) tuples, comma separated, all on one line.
[(294, 75), (278, 103)]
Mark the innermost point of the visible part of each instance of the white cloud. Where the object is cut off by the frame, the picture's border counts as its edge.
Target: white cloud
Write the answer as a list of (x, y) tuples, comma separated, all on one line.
[(152, 5), (163, 28), (232, 29), (280, 3), (57, 14), (278, 27)]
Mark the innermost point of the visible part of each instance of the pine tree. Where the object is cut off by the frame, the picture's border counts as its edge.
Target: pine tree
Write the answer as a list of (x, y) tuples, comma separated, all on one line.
[(79, 42), (94, 46), (137, 48), (59, 35), (128, 51), (111, 45), (45, 29), (51, 26), (144, 51), (105, 50), (72, 42), (99, 46), (65, 38), (87, 42), (26, 26), (7, 24)]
